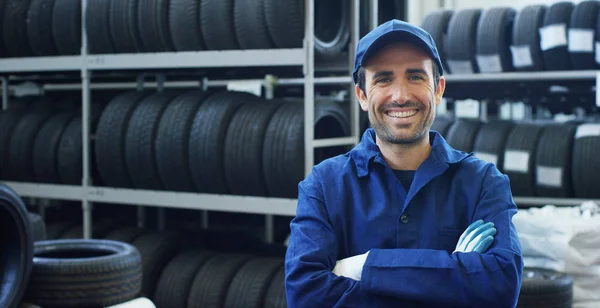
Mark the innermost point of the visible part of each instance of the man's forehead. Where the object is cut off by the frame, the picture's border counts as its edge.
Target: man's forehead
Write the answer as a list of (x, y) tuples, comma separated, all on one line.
[(400, 53)]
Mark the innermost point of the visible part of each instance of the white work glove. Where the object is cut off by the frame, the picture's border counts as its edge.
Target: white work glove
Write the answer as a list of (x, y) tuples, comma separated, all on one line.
[(351, 267), (477, 238)]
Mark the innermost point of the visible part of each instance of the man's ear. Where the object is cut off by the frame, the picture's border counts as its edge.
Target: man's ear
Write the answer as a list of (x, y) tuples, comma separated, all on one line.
[(439, 92), (362, 98)]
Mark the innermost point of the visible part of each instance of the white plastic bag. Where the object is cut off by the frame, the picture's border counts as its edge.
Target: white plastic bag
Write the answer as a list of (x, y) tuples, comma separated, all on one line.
[(566, 240)]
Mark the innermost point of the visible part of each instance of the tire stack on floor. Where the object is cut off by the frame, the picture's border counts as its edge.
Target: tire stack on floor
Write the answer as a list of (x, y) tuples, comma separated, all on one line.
[(222, 142)]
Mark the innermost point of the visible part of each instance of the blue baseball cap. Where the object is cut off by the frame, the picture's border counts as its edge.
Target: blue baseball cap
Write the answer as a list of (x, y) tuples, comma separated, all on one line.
[(393, 31)]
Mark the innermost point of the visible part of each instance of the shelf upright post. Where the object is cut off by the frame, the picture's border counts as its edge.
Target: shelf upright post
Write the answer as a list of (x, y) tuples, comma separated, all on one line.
[(598, 89), (85, 121), (309, 90), (355, 36), (4, 92), (374, 14)]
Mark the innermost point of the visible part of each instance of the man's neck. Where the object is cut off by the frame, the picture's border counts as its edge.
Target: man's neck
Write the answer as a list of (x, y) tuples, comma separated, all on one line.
[(405, 157)]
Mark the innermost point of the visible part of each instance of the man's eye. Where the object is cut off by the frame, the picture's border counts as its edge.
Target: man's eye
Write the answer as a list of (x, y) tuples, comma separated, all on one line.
[(382, 80), (415, 77)]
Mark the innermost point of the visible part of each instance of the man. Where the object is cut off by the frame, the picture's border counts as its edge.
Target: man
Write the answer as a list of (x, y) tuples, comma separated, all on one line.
[(403, 220)]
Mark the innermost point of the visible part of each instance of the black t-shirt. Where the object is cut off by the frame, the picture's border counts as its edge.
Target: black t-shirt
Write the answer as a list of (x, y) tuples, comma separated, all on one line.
[(405, 177)]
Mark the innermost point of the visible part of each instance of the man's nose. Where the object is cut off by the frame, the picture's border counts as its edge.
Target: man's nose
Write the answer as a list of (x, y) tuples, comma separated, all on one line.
[(400, 93)]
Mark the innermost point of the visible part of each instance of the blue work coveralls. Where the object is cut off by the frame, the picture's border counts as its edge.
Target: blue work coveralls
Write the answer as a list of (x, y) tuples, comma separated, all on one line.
[(353, 203)]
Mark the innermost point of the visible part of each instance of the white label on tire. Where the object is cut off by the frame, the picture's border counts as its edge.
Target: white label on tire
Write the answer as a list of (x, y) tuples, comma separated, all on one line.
[(460, 66), (517, 161), (521, 56), (581, 40), (489, 63), (490, 158), (553, 36), (598, 52), (587, 130), (549, 176)]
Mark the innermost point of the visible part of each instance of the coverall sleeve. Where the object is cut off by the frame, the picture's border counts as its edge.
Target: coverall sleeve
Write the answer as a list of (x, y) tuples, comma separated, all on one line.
[(437, 278), (312, 254)]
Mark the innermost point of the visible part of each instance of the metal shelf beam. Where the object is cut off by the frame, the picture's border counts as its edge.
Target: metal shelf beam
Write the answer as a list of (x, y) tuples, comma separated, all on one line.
[(195, 59), (40, 64), (47, 191), (210, 202), (524, 76), (554, 201)]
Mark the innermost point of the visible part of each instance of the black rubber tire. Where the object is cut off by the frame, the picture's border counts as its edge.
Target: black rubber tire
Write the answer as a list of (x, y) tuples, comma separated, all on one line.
[(2, 49), (111, 135), (436, 24), (153, 26), (250, 25), (212, 281), (39, 28), (69, 162), (216, 24), (250, 284), (283, 146), (45, 148), (173, 286), (20, 158), (494, 35), (558, 58), (526, 33), (545, 288), (207, 139), (586, 168), (14, 26), (84, 273), (125, 234), (157, 249), (460, 45), (16, 236), (244, 148), (549, 153), (491, 140), (172, 141), (442, 124), (523, 138), (462, 134), (66, 26), (276, 297), (332, 27), (585, 17), (38, 227), (184, 25), (285, 22), (8, 121), (140, 152), (98, 27), (122, 21)]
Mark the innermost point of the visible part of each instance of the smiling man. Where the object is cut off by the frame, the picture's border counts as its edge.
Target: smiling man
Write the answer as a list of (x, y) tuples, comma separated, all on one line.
[(403, 219)]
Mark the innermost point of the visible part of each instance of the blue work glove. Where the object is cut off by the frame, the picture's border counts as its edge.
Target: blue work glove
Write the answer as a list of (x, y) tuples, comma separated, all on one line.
[(478, 237)]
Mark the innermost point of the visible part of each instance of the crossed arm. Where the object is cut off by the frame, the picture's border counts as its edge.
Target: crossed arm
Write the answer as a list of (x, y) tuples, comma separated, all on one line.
[(405, 276)]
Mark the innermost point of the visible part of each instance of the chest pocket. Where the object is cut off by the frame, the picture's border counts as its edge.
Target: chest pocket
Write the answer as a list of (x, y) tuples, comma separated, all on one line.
[(447, 239)]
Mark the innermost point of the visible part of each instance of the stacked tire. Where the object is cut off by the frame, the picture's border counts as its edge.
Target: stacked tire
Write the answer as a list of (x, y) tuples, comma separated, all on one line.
[(223, 142), (560, 36), (53, 27)]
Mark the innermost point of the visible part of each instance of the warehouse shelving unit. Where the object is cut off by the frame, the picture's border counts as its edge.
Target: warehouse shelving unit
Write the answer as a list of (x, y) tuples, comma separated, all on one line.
[(87, 64)]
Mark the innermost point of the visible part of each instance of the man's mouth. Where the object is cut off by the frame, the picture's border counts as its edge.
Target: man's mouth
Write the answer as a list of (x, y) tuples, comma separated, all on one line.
[(402, 114)]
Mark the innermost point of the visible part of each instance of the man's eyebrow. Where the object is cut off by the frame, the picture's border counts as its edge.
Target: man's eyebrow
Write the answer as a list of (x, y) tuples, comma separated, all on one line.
[(416, 71), (382, 73)]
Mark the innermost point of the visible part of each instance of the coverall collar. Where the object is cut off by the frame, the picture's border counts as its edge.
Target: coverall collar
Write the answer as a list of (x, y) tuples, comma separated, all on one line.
[(367, 151)]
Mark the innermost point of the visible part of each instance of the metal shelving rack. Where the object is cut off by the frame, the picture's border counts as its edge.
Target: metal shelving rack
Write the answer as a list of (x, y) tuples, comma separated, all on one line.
[(87, 64)]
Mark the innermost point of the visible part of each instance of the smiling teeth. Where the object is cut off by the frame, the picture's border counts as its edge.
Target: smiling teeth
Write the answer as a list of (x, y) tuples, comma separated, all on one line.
[(404, 114)]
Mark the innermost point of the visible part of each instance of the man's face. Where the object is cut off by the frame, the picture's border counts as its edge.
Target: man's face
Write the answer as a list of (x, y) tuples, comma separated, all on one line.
[(400, 97)]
